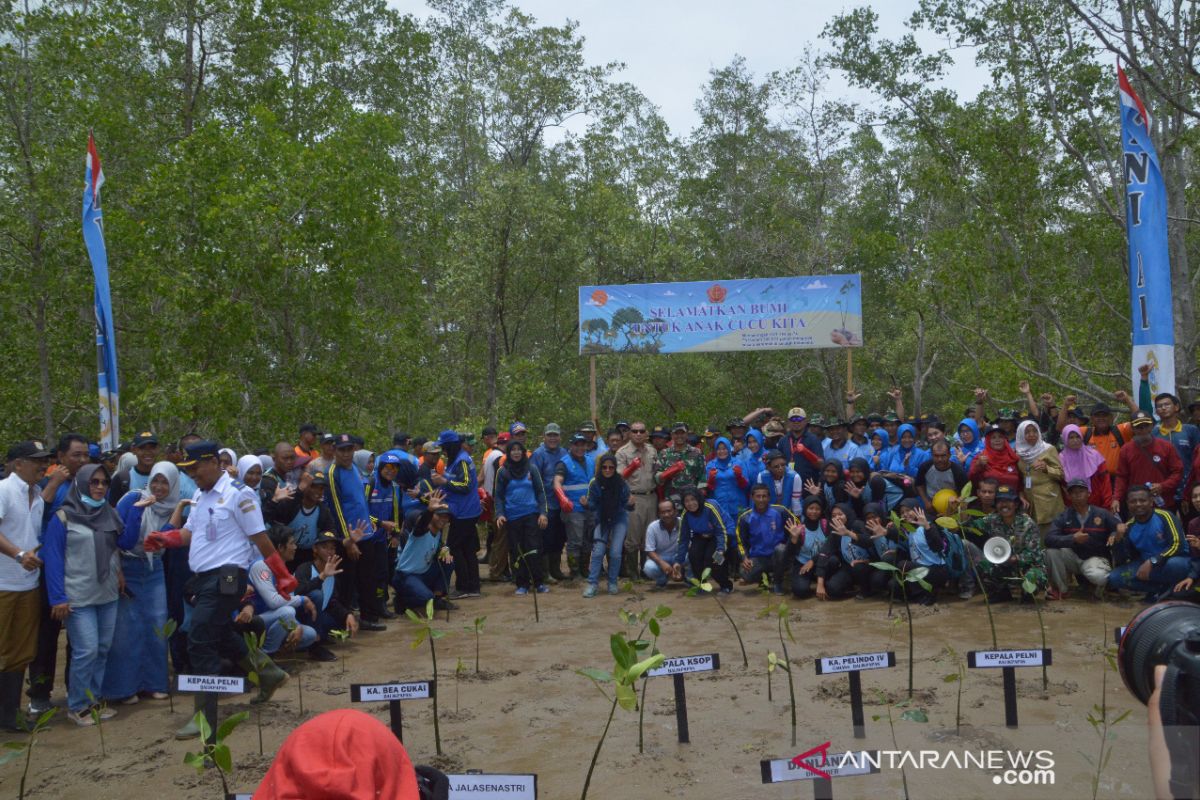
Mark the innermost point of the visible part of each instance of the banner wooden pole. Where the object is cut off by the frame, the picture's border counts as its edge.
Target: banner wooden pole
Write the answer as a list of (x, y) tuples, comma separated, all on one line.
[(849, 371), (595, 418)]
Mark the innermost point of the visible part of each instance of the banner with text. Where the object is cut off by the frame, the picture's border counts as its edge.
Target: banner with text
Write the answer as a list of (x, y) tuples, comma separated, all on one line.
[(722, 316)]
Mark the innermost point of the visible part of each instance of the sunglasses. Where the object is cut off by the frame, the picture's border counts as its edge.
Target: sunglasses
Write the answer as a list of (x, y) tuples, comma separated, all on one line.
[(795, 419), (608, 466)]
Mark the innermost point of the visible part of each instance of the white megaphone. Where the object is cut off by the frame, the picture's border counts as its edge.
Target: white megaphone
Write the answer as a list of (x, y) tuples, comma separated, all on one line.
[(997, 550)]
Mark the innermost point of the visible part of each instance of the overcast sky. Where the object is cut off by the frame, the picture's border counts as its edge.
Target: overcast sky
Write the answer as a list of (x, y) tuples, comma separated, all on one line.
[(668, 46)]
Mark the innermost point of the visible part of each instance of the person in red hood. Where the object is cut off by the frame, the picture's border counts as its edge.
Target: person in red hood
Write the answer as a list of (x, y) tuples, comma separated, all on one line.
[(340, 755)]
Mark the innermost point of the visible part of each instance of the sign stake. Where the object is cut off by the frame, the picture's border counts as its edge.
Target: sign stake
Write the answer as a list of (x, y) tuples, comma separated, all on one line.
[(1008, 661), (681, 720), (856, 705)]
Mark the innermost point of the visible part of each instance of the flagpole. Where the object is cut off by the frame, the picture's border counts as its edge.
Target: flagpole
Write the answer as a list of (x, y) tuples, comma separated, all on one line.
[(595, 418)]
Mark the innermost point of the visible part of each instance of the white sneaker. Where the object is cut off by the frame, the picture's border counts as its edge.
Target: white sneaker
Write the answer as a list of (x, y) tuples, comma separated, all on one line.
[(107, 712), (83, 719), (132, 700)]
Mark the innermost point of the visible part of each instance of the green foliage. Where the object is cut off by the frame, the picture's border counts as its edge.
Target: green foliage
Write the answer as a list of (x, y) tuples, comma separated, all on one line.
[(14, 749), (215, 753), (428, 633)]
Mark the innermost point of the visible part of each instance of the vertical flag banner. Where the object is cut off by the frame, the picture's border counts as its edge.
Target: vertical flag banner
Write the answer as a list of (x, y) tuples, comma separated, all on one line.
[(1152, 315), (106, 343), (793, 313)]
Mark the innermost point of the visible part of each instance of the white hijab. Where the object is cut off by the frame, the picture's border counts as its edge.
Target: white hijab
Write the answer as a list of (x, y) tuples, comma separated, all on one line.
[(1030, 453), (156, 516)]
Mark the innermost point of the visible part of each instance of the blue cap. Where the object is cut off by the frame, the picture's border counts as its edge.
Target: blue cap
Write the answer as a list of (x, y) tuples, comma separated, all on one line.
[(388, 458), (448, 437), (93, 450), (517, 427), (197, 451)]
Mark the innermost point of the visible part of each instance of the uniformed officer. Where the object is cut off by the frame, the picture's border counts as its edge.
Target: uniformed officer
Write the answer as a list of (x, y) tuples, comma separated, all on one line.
[(224, 528)]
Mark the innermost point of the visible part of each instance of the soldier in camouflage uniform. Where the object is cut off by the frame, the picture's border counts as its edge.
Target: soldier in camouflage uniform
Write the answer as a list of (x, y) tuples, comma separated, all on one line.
[(673, 480), (1028, 559)]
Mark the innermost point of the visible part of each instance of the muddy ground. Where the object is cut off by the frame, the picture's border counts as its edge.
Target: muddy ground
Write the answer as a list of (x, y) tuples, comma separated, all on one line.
[(528, 711)]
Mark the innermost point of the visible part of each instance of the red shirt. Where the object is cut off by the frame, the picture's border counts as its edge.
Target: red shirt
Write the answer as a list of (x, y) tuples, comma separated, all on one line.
[(1157, 463)]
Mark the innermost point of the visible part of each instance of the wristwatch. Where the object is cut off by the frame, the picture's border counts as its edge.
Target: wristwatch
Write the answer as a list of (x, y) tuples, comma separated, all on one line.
[(1154, 561), (19, 557)]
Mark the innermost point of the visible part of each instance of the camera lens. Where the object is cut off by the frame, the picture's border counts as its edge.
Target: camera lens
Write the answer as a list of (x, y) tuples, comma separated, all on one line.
[(1150, 639)]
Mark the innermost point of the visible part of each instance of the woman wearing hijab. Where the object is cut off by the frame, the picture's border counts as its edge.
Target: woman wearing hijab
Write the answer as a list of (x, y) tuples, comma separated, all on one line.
[(228, 460), (997, 460), (752, 456), (832, 486), (845, 560), (1082, 462), (703, 534), (881, 450), (250, 471), (906, 457), (365, 461), (607, 498), (83, 570), (806, 540), (727, 481), (1042, 473), (521, 511), (969, 443), (136, 662)]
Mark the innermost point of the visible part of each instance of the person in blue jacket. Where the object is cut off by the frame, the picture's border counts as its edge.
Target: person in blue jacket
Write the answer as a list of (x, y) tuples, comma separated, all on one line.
[(727, 482), (880, 454), (753, 456), (906, 457), (845, 561), (705, 529), (969, 443), (421, 565), (521, 511), (366, 547), (761, 530), (462, 495)]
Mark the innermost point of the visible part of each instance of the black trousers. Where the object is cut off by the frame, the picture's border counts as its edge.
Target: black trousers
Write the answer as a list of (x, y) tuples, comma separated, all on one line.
[(846, 580), (524, 537), (937, 577), (45, 661), (463, 541), (212, 631), (700, 556), (370, 578), (177, 572)]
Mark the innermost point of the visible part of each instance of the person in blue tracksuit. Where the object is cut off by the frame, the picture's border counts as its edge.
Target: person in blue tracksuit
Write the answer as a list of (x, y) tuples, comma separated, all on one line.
[(806, 539), (880, 454), (761, 531), (703, 536), (366, 546), (572, 475), (885, 545), (969, 443), (421, 565), (462, 495), (521, 511), (727, 482), (554, 536), (782, 482)]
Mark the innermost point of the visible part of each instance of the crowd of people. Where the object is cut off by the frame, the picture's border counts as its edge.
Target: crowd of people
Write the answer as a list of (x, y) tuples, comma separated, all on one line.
[(157, 553)]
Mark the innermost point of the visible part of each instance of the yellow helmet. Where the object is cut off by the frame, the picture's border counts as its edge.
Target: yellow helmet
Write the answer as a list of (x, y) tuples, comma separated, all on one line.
[(942, 500)]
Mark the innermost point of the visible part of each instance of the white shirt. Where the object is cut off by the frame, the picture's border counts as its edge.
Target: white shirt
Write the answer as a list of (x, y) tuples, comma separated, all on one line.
[(661, 541), (21, 524), (222, 522), (490, 467)]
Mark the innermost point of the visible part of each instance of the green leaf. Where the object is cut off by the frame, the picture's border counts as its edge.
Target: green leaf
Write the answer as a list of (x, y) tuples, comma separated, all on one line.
[(885, 566), (11, 755), (227, 727), (195, 761), (420, 638), (915, 715), (1122, 716), (662, 612), (974, 512), (598, 675), (626, 696), (951, 678), (222, 757), (622, 652), (45, 718), (640, 667), (706, 586), (1028, 586), (14, 745), (202, 724), (436, 634), (949, 523), (408, 612), (965, 492), (924, 584), (916, 574), (429, 609), (654, 627), (705, 574)]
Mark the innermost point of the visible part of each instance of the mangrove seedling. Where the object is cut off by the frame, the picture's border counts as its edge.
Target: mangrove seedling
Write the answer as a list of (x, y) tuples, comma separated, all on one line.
[(254, 644), (959, 676), (623, 677), (523, 557), (165, 633), (903, 577), (340, 636), (960, 520), (1099, 717), (783, 615), (216, 753), (703, 584), (459, 669), (13, 750), (427, 631), (96, 712), (1029, 587), (910, 714), (477, 629)]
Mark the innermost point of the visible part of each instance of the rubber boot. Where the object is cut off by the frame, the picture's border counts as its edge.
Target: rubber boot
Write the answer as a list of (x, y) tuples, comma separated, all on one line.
[(547, 576), (270, 676), (556, 572), (191, 730), (10, 701)]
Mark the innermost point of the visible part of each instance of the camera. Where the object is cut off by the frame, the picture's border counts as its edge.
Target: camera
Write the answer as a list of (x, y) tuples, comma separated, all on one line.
[(1168, 634)]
